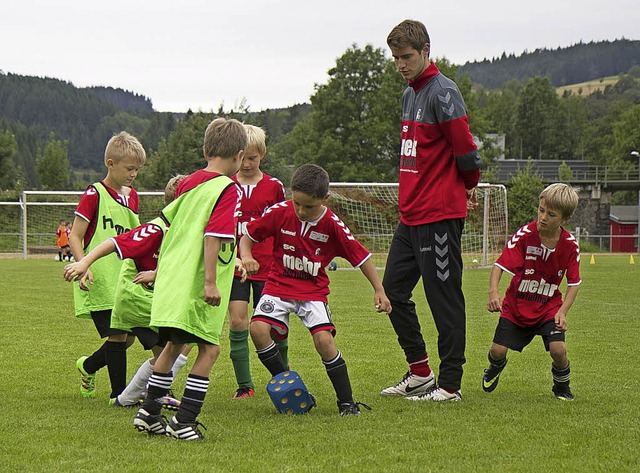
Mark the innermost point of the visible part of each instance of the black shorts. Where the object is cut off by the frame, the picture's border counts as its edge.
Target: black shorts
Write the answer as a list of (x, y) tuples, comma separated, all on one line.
[(179, 337), (147, 337), (241, 291), (516, 338), (102, 321)]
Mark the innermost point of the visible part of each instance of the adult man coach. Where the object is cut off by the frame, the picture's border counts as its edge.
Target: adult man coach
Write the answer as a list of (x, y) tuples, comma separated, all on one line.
[(439, 170)]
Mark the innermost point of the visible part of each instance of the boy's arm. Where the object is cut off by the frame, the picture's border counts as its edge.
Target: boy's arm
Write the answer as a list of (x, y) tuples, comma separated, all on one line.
[(561, 315), (211, 250), (145, 277), (76, 237), (380, 299), (495, 301), (77, 270), (249, 262)]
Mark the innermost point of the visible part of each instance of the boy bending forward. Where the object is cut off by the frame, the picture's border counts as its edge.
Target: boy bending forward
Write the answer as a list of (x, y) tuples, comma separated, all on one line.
[(538, 256), (307, 237)]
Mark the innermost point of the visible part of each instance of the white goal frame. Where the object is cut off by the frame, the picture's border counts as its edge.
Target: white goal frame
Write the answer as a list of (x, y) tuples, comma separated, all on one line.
[(370, 210)]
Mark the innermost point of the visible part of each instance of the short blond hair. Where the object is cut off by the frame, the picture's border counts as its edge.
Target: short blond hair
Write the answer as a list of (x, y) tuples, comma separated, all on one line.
[(170, 188), (561, 197), (257, 139), (224, 138), (123, 146)]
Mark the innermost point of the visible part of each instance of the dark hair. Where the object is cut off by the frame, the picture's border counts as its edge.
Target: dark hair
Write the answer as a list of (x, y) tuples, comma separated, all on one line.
[(312, 180)]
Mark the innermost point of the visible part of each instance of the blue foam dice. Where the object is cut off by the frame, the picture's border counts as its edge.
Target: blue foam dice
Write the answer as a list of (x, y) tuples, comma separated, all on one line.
[(289, 393)]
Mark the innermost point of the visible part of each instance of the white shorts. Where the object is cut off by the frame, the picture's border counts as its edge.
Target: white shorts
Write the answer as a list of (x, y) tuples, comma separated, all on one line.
[(315, 315)]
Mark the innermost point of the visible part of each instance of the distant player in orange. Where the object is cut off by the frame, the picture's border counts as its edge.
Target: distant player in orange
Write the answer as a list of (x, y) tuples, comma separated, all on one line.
[(62, 240)]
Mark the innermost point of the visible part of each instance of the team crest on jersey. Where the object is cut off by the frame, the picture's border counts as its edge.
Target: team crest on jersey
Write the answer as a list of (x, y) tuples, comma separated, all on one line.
[(267, 307), (319, 237), (534, 250), (419, 114), (317, 252)]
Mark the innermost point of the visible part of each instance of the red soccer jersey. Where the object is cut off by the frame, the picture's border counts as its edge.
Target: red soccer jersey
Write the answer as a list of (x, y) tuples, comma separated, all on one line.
[(88, 206), (256, 199), (302, 250), (141, 244), (221, 224), (533, 296)]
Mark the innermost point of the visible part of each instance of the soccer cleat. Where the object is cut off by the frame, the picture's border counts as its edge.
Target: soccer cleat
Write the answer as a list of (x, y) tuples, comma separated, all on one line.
[(437, 395), (411, 385), (152, 424), (184, 430), (351, 408), (563, 393), (170, 403), (491, 375), (243, 392), (88, 381)]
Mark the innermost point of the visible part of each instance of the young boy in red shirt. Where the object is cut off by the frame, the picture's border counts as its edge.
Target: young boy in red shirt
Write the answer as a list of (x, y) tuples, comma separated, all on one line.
[(537, 256), (307, 236)]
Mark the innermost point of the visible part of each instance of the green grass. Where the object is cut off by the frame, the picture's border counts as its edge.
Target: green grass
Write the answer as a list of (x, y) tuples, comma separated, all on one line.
[(519, 427)]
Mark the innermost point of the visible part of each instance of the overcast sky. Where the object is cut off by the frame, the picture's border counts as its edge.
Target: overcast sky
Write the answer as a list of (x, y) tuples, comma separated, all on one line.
[(200, 53)]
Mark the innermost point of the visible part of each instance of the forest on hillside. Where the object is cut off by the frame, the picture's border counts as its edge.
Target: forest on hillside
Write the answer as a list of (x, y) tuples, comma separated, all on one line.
[(52, 134)]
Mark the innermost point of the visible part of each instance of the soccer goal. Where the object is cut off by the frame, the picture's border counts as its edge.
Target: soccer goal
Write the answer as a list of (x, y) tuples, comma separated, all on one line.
[(370, 211), (30, 226)]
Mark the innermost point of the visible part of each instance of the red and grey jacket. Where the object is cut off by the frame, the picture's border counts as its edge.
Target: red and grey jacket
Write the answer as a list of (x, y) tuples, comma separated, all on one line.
[(438, 158)]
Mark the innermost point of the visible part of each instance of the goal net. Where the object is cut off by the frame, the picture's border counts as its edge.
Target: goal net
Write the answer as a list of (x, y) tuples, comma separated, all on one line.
[(370, 211), (29, 226)]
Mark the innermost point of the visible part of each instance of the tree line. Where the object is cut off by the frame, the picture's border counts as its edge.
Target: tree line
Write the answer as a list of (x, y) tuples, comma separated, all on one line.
[(351, 126)]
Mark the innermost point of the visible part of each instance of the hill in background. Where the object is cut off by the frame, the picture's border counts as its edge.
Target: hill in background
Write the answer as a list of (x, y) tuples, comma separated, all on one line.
[(563, 66)]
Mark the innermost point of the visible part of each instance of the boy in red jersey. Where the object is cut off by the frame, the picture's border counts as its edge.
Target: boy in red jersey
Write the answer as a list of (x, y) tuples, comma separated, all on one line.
[(537, 256), (307, 237), (106, 209), (439, 170), (259, 192)]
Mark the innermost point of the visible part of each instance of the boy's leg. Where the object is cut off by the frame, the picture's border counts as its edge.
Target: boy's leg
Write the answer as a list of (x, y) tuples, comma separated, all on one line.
[(89, 365), (116, 361), (184, 425), (266, 348), (561, 371), (133, 392), (148, 418), (239, 344), (497, 361)]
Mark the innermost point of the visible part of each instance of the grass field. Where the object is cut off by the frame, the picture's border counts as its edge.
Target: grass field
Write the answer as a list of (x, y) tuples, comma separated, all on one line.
[(520, 427)]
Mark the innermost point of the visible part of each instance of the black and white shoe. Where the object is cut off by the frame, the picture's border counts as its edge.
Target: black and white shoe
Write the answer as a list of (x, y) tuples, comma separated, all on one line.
[(152, 424), (410, 385), (184, 430)]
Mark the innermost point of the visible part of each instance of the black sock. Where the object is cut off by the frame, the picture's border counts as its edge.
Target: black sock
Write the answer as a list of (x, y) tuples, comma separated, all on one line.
[(561, 377), (272, 359), (337, 371), (159, 384), (116, 360), (96, 360), (192, 399), (495, 366)]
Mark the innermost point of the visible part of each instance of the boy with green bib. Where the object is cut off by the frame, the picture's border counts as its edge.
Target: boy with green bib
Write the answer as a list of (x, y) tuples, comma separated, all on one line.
[(139, 250), (106, 209), (193, 280)]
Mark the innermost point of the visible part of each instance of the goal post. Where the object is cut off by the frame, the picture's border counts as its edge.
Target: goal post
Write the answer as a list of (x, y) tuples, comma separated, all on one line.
[(33, 234), (370, 210)]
